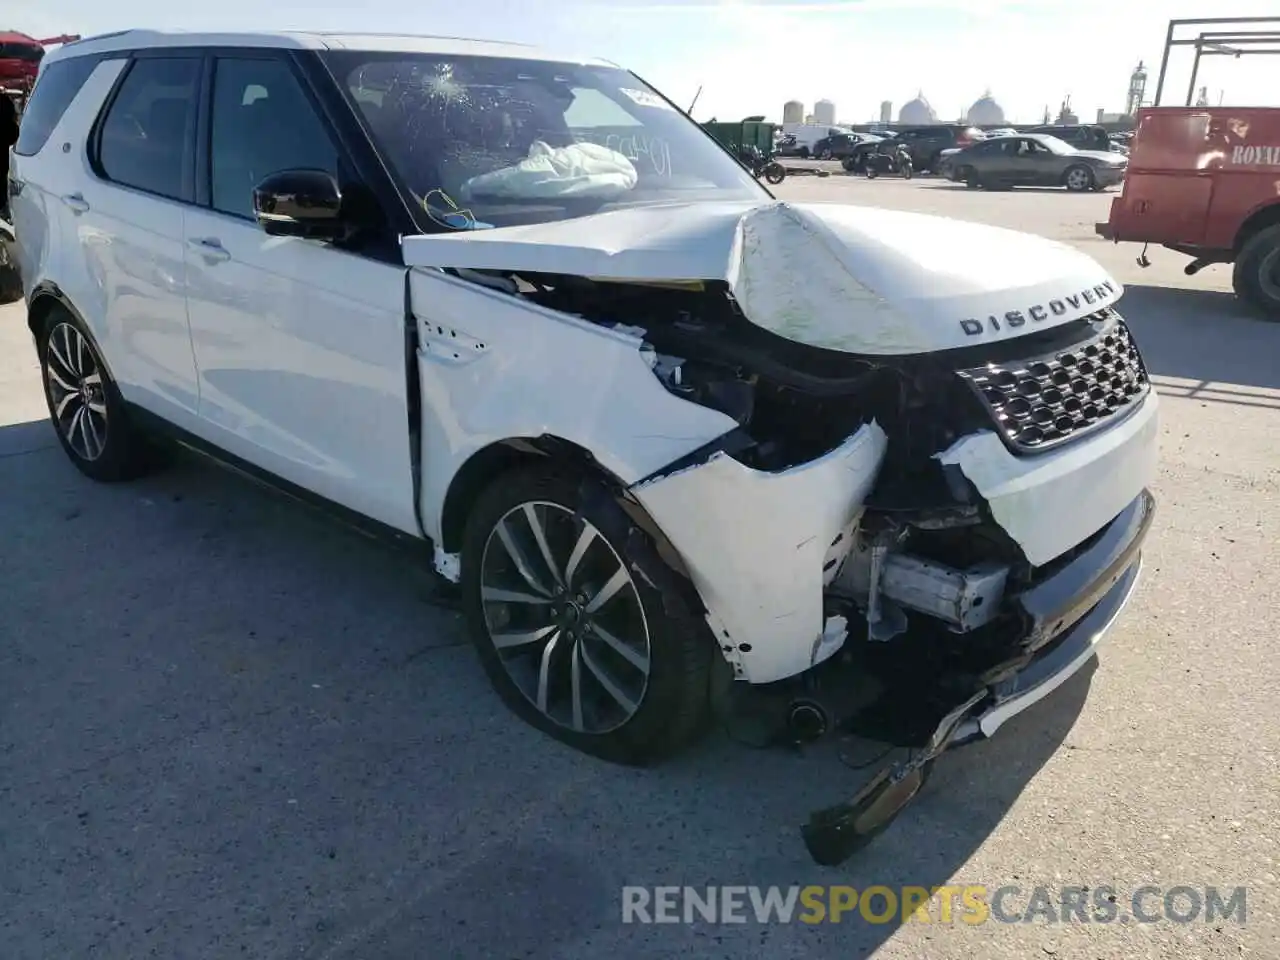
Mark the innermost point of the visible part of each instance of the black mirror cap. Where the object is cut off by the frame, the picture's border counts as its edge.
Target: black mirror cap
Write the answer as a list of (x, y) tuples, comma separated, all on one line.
[(299, 203)]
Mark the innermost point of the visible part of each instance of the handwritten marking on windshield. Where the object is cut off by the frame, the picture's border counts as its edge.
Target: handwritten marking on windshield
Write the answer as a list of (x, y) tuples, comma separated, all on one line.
[(636, 146)]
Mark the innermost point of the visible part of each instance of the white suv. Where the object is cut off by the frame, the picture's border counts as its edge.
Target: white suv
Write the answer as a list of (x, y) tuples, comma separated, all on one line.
[(657, 424)]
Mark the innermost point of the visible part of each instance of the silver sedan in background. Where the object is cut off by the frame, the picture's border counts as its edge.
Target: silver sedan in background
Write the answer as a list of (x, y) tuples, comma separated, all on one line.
[(1032, 160)]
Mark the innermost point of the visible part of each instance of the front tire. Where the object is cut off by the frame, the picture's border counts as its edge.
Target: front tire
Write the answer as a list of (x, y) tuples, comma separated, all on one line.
[(88, 414), (775, 173), (1256, 274), (1079, 179), (584, 635)]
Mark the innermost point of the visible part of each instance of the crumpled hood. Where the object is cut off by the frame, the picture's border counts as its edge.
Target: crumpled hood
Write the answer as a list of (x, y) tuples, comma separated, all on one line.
[(857, 279)]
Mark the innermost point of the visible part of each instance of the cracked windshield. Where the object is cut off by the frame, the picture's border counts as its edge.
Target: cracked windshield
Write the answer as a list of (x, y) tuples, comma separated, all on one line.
[(491, 142)]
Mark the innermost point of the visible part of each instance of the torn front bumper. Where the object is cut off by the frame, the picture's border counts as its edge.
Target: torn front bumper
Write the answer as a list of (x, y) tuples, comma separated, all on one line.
[(1067, 616), (761, 548), (1050, 503)]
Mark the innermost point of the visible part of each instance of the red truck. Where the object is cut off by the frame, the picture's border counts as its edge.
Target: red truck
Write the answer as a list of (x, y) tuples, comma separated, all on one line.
[(1205, 181), (20, 58)]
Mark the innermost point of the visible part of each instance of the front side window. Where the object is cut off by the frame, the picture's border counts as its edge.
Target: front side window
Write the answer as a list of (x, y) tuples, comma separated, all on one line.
[(524, 141), (262, 124), (148, 134)]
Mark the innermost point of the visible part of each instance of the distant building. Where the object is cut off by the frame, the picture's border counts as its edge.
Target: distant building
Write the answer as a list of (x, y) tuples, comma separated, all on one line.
[(824, 111), (986, 112), (917, 111), (793, 112), (886, 111)]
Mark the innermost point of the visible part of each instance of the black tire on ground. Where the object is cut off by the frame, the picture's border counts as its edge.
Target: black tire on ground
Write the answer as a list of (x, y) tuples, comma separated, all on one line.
[(969, 176), (670, 709), (1256, 274), (803, 153), (775, 173), (1079, 178), (100, 440)]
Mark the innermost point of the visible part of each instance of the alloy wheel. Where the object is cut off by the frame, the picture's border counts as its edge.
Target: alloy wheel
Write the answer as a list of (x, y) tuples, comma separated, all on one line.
[(77, 395), (565, 617), (1078, 179)]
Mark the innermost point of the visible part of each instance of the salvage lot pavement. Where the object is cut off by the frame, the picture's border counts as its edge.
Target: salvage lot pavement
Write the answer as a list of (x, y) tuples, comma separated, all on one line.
[(231, 728)]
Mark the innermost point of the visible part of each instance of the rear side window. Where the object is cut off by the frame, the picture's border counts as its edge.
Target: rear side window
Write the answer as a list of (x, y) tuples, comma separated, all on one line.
[(53, 93), (147, 136)]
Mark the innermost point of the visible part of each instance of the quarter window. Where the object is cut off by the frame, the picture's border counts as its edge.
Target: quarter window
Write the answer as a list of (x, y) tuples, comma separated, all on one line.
[(57, 87), (263, 123), (148, 132)]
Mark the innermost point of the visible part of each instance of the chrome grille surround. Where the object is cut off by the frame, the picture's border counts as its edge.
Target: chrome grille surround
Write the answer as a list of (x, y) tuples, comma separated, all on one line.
[(1040, 403)]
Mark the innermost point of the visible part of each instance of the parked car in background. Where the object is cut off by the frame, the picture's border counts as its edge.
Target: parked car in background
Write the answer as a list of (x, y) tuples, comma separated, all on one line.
[(856, 162), (788, 146), (927, 143), (1001, 132), (1033, 159), (1082, 136), (841, 145)]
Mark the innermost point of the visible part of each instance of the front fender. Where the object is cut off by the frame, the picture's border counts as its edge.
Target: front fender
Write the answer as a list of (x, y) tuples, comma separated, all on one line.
[(492, 366)]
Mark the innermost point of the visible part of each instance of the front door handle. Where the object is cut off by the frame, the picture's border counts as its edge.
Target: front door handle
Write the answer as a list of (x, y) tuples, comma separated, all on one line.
[(77, 203), (210, 248)]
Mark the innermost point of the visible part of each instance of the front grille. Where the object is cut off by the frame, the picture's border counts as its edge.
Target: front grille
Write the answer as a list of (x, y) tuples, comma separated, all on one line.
[(1045, 401)]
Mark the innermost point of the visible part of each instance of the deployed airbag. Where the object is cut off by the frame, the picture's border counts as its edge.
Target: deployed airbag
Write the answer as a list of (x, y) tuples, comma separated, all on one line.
[(580, 169)]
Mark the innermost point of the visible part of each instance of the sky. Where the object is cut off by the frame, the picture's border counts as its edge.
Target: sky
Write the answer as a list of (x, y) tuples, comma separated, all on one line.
[(749, 56)]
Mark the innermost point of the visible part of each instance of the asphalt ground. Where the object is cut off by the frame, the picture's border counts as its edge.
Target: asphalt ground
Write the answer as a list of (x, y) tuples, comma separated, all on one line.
[(231, 728)]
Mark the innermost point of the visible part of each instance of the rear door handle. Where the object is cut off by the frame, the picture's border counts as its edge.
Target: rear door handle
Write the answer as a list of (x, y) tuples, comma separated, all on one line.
[(210, 248), (76, 202)]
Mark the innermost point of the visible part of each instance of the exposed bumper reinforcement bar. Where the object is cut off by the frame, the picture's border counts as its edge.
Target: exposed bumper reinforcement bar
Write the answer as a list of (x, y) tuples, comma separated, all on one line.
[(1070, 613)]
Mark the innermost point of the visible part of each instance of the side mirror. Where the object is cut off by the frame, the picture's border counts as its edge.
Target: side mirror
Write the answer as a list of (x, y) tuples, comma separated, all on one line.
[(299, 203)]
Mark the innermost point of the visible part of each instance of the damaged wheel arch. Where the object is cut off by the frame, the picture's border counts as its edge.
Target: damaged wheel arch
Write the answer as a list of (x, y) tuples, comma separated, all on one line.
[(487, 465)]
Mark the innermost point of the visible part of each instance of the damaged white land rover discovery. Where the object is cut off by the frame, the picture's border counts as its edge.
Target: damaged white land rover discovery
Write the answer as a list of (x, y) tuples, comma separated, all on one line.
[(657, 424)]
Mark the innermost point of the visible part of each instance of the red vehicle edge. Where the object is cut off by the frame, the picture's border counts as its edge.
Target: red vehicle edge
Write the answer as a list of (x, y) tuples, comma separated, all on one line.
[(1205, 181), (20, 57)]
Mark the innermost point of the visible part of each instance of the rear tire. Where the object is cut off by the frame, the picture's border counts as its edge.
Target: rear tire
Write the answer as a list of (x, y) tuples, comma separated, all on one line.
[(86, 409), (1256, 274), (625, 679), (775, 173), (969, 176)]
